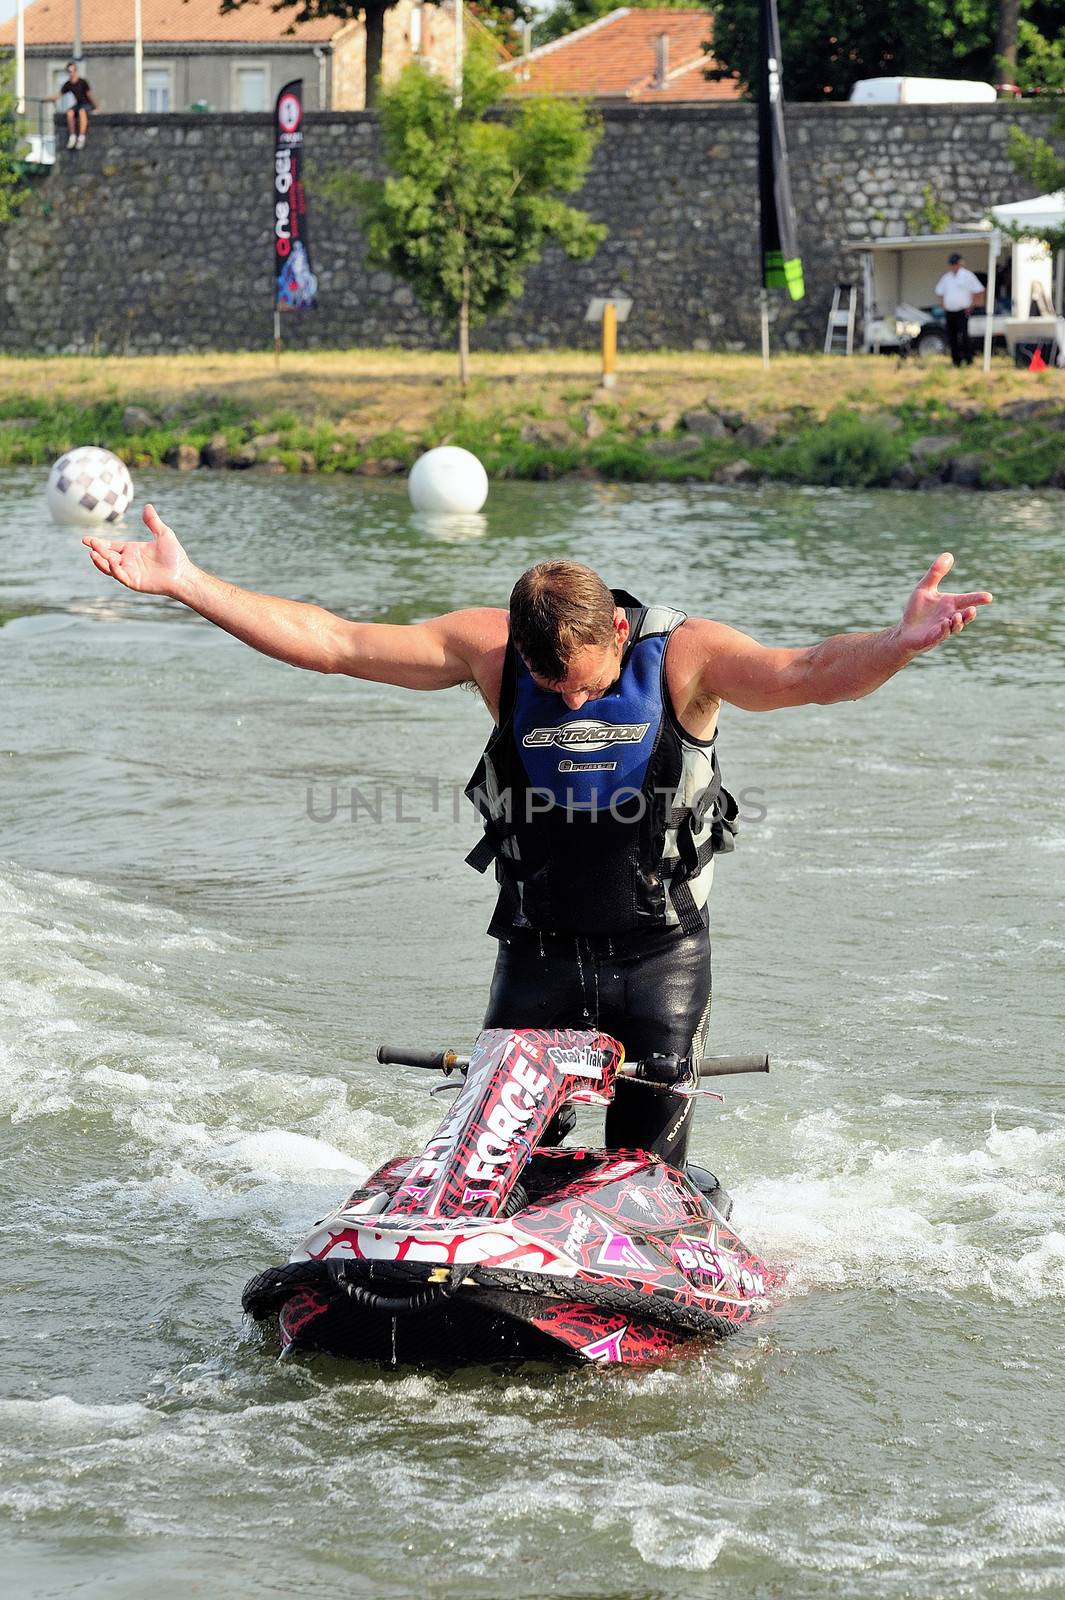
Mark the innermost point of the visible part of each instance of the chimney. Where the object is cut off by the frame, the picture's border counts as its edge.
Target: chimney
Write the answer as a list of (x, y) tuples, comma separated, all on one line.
[(661, 60)]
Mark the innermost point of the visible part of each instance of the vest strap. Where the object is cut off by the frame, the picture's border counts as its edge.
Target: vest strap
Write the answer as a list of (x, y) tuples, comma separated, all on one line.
[(483, 853), (688, 914)]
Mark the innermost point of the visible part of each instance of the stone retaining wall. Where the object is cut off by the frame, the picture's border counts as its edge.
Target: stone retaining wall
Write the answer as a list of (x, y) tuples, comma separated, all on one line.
[(157, 235)]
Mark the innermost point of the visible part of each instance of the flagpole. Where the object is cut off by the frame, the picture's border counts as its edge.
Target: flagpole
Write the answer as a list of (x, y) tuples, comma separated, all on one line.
[(989, 297), (459, 55), (138, 59), (277, 339), (20, 59)]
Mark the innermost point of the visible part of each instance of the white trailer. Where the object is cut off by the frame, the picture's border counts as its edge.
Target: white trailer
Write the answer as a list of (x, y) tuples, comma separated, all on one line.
[(899, 277)]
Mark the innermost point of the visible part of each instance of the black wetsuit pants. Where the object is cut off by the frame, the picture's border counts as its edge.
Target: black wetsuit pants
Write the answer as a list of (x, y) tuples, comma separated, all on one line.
[(654, 996)]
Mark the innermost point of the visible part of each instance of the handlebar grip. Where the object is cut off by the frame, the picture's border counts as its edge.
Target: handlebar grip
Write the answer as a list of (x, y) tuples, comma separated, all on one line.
[(725, 1066), (398, 1055)]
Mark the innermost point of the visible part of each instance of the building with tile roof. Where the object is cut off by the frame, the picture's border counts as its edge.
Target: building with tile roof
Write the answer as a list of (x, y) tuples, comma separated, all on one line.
[(629, 56), (196, 57)]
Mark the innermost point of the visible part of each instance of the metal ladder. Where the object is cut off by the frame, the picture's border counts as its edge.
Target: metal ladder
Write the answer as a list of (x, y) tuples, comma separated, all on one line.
[(839, 335)]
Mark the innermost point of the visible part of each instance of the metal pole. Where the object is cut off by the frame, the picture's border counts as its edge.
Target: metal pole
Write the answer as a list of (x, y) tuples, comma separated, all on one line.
[(764, 304), (77, 31), (277, 340), (459, 55), (1059, 283), (610, 344), (138, 58), (989, 296), (20, 58)]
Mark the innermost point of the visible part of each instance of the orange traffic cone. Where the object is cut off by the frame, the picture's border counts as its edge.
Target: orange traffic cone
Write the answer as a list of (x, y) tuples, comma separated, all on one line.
[(1037, 364)]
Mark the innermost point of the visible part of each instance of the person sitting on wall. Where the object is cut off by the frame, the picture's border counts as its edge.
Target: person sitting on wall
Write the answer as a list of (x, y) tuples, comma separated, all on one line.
[(958, 290), (78, 113)]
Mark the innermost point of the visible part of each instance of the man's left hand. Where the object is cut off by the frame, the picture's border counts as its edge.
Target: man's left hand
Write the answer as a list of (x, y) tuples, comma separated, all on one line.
[(931, 617)]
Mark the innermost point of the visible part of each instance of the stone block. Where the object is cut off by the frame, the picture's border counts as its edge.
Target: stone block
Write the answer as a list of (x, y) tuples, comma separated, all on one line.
[(933, 444), (707, 424), (135, 419), (183, 457), (741, 471)]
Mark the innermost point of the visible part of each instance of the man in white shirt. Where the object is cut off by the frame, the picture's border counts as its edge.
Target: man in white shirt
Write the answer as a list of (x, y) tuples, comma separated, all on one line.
[(958, 290)]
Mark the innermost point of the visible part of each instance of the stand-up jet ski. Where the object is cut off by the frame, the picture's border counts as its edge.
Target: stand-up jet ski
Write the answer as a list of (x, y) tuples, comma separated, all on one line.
[(491, 1245)]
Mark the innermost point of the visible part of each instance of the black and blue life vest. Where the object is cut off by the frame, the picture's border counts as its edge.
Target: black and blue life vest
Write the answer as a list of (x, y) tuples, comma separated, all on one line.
[(604, 820)]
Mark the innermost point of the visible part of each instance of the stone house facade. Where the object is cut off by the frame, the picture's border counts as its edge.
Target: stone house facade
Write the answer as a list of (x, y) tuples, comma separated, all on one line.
[(196, 58)]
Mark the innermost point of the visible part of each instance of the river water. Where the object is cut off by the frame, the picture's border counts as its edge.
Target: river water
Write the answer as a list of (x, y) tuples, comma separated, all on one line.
[(194, 973)]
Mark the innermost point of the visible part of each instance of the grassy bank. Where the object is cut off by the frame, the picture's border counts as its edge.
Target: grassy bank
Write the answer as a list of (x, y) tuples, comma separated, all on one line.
[(810, 419)]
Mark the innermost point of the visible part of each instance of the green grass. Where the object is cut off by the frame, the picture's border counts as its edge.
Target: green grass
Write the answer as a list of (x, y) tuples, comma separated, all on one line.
[(850, 445)]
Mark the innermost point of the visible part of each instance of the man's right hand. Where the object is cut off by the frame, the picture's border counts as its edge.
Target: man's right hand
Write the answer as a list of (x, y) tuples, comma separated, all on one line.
[(154, 566)]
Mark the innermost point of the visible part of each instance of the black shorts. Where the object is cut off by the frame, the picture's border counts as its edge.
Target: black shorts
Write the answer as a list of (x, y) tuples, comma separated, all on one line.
[(654, 996)]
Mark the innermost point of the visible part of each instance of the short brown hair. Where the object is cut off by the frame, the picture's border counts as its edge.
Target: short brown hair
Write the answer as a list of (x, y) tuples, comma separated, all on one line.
[(555, 608)]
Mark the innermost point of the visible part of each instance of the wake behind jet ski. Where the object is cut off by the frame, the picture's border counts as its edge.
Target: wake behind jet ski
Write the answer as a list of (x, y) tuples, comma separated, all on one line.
[(492, 1246)]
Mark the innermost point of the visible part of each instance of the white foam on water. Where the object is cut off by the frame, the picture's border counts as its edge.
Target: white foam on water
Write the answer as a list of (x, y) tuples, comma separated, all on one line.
[(208, 1115), (943, 1215), (65, 1420)]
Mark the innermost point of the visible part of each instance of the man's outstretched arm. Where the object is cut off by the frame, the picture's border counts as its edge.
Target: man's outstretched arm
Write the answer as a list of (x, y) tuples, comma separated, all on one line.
[(427, 655), (733, 667)]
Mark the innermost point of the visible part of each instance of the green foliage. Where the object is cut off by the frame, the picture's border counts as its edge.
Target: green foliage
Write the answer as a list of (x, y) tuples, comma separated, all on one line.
[(567, 15), (845, 449), (933, 217), (1038, 163), (1041, 48), (12, 182), (474, 193), (828, 44), (502, 17)]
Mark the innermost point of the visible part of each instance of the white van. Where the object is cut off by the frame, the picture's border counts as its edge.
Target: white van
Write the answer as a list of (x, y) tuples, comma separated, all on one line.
[(921, 92)]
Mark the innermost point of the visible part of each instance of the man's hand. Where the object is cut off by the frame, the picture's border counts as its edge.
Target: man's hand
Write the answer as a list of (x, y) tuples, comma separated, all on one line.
[(931, 617), (154, 566)]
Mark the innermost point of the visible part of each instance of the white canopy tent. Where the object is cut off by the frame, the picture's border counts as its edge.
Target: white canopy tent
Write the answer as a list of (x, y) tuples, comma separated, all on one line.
[(1043, 212)]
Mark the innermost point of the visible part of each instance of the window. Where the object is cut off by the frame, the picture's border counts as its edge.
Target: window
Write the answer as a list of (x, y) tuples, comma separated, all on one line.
[(58, 75), (251, 89), (157, 89)]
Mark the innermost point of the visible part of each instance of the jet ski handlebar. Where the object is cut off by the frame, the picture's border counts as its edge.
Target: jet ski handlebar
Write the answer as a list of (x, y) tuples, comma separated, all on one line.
[(398, 1055), (656, 1069)]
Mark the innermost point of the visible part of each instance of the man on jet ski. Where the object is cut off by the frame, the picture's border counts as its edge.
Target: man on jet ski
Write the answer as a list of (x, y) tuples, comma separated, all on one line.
[(599, 788)]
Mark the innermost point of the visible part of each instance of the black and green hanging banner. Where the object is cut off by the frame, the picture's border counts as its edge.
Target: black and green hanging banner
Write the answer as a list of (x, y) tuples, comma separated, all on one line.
[(781, 263)]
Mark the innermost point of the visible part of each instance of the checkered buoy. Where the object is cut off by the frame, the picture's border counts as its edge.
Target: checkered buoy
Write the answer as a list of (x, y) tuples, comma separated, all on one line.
[(88, 487)]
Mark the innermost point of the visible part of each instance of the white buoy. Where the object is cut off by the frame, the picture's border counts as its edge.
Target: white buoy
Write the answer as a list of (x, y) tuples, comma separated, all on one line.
[(89, 487), (447, 479)]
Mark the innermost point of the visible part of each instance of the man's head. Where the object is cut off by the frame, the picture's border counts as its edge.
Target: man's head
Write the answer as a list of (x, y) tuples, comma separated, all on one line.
[(72, 69), (567, 630), (954, 261)]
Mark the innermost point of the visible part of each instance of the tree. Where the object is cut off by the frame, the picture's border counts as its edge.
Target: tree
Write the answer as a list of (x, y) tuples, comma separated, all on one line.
[(1006, 37), (567, 15), (828, 44), (1038, 163), (1040, 64), (474, 192), (12, 181)]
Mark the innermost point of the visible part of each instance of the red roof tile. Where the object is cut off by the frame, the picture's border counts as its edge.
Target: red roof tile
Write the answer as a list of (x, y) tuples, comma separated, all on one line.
[(616, 57), (164, 22)]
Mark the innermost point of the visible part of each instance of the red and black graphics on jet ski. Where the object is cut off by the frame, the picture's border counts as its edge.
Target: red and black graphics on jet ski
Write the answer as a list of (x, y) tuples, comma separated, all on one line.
[(515, 1083), (632, 1216), (608, 1337), (593, 1254)]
